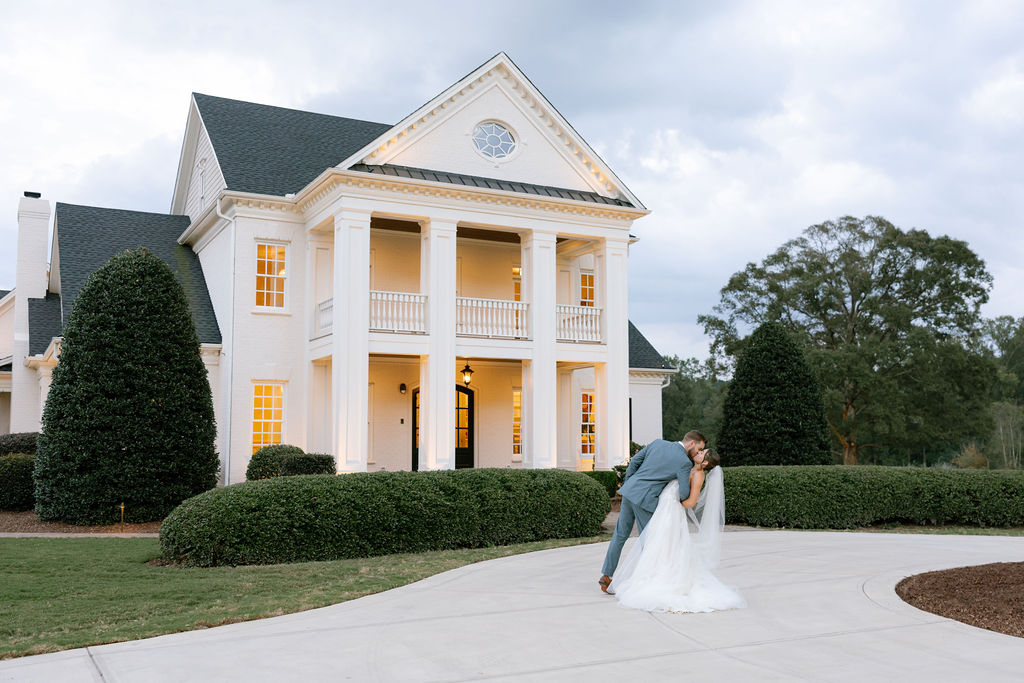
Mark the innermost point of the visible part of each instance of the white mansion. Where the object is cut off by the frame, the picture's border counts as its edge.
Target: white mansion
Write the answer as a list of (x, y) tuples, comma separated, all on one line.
[(342, 276)]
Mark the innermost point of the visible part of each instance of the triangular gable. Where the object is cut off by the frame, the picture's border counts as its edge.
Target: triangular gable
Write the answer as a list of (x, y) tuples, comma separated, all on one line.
[(192, 194), (438, 136)]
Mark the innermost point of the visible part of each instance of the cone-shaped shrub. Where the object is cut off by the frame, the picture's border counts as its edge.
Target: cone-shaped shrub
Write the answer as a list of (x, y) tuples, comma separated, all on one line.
[(129, 416), (773, 413)]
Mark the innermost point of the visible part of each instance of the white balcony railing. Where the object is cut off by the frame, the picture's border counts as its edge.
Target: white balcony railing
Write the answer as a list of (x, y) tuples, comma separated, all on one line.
[(578, 323), (405, 312), (490, 318), (398, 312), (323, 318)]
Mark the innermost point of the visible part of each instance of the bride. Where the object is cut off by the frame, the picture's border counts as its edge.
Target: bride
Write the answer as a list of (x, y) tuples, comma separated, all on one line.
[(670, 567)]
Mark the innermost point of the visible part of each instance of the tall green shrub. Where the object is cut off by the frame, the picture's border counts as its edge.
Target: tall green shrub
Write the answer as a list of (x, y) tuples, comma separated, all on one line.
[(773, 413), (129, 417)]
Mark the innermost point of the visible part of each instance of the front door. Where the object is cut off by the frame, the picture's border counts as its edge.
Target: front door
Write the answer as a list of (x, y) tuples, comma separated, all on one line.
[(463, 428)]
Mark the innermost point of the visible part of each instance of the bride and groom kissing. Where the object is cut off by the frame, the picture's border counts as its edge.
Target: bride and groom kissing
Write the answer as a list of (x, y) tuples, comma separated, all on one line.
[(669, 569)]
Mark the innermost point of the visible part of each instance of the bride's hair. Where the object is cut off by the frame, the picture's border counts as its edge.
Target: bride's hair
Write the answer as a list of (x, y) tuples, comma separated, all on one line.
[(711, 459)]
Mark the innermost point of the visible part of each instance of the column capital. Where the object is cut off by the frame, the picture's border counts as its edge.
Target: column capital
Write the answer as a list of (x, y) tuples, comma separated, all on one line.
[(532, 237), (438, 224)]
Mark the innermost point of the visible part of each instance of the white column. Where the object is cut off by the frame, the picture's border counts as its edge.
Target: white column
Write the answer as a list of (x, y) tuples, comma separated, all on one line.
[(351, 340), (612, 377), (45, 378), (437, 368), (540, 386), (30, 283), (568, 438)]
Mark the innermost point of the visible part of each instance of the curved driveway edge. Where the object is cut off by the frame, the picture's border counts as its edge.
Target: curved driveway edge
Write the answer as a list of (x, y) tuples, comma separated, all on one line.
[(822, 607)]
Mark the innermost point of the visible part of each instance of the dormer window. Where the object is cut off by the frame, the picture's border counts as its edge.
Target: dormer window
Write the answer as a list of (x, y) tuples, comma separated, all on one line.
[(493, 140)]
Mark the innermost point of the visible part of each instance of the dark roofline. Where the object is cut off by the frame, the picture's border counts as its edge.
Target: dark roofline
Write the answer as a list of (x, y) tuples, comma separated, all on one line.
[(489, 183)]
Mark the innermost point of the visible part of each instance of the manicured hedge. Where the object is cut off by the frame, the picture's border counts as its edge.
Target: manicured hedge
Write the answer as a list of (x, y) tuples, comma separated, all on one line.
[(19, 442), (845, 497), (266, 462), (17, 491), (321, 517), (282, 460), (606, 478), (307, 463)]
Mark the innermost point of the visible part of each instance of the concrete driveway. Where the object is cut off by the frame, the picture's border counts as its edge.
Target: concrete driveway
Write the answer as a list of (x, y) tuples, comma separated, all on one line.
[(821, 608)]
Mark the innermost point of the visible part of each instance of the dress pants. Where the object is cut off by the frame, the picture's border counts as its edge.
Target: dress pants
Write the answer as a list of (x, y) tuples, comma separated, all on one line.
[(628, 514)]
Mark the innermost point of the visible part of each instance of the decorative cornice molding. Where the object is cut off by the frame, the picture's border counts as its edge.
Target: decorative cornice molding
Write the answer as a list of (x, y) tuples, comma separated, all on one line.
[(478, 196), (531, 103)]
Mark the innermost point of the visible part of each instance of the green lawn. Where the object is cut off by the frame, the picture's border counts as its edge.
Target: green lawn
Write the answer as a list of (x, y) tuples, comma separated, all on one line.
[(62, 593)]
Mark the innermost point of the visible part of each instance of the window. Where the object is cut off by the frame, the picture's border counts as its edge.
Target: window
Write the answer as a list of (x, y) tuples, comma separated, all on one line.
[(270, 265), (588, 427), (517, 289), (517, 425), (493, 140), (586, 288), (267, 414)]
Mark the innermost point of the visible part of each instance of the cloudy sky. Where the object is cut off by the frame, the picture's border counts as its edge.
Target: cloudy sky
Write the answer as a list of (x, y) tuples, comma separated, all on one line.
[(738, 124)]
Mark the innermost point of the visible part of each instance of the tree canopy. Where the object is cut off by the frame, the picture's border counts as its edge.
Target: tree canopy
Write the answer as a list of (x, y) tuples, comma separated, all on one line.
[(890, 320)]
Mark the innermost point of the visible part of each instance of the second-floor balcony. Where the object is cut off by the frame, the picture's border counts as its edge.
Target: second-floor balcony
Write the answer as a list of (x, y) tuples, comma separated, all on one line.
[(404, 312)]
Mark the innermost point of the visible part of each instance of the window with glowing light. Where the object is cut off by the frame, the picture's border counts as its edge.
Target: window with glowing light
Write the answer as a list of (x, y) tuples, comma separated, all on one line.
[(588, 426), (517, 422), (267, 414), (586, 288), (270, 275)]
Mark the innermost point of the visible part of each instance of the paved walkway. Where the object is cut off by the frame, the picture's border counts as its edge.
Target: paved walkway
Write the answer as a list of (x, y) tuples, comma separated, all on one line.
[(822, 608)]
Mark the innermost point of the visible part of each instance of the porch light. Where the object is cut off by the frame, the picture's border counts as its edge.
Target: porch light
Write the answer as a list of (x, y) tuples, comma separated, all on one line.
[(401, 388), (467, 374)]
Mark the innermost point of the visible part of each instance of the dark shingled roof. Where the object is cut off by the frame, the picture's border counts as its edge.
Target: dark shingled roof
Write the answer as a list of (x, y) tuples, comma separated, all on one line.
[(6, 367), (276, 151), (642, 354), (44, 322), (88, 237), (4, 292), (490, 183)]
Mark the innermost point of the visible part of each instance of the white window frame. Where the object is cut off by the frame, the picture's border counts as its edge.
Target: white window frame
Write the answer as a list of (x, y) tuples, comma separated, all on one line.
[(593, 423), (252, 407), (263, 308), (593, 288), (517, 457)]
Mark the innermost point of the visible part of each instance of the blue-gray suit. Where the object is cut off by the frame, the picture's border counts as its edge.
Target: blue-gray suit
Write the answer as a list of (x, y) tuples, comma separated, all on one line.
[(649, 471)]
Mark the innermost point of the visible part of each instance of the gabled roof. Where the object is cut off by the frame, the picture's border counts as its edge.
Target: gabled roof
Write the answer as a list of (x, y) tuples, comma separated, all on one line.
[(642, 355), (44, 322), (277, 151), (4, 292), (491, 183), (89, 236)]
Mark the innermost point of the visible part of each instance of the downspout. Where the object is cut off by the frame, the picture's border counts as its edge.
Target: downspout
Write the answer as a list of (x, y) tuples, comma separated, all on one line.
[(231, 348)]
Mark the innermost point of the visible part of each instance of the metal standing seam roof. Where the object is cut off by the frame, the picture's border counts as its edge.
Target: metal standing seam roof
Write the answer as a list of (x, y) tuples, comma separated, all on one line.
[(90, 236), (489, 183)]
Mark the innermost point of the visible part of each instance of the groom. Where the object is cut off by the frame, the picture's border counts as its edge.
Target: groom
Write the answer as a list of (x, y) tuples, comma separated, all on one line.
[(649, 471)]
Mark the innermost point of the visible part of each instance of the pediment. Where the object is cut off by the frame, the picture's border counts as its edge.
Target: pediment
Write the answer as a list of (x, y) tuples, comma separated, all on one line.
[(547, 151)]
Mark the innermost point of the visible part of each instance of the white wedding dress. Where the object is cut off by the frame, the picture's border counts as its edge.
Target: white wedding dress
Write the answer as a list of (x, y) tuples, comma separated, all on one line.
[(669, 568)]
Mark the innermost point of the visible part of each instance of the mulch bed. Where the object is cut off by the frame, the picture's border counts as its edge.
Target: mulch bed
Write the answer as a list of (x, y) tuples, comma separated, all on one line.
[(27, 522), (989, 596)]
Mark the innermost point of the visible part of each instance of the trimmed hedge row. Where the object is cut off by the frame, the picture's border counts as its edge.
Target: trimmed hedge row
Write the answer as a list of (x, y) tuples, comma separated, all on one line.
[(282, 460), (846, 497), (318, 517), (606, 478), (17, 490), (19, 442)]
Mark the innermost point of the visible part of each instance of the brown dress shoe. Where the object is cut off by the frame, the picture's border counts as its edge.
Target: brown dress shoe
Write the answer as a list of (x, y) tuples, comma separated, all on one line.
[(604, 582)]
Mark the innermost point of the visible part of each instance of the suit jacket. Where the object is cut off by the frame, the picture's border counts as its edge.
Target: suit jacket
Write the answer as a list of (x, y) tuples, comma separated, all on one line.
[(651, 469)]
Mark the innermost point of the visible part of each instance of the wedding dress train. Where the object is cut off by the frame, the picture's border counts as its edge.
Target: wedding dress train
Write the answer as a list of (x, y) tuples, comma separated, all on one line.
[(669, 568)]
